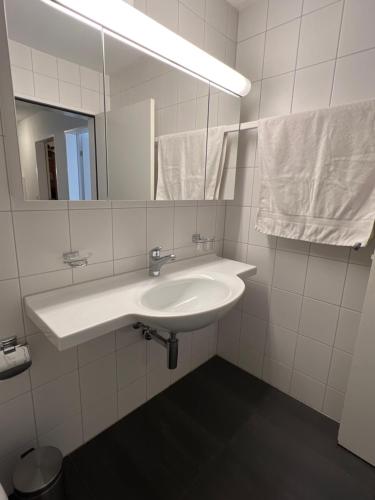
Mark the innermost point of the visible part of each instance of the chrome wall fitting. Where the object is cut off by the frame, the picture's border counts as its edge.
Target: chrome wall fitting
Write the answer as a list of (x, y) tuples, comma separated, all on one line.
[(74, 259), (14, 358), (171, 343), (202, 242)]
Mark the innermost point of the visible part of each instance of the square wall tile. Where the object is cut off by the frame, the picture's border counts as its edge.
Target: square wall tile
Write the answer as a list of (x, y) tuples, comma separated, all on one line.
[(129, 232), (281, 12), (95, 349), (319, 320), (93, 272), (253, 333), (325, 279), (252, 20), (229, 336), (197, 6), (281, 49), (314, 49), (347, 330), (41, 239), (15, 386), (23, 81), (206, 220), (285, 309), (10, 309), (357, 32), (90, 79), (56, 402), (355, 287), (234, 250), (312, 358), (8, 263), (44, 63), (216, 14), (340, 370), (311, 5), (276, 374), (160, 227), (91, 234), (290, 271), (66, 437), (281, 344), (263, 258), (293, 245), (164, 12), (256, 300), (256, 237), (131, 363), (276, 96), (251, 361), (99, 416), (97, 380), (70, 95), (216, 45), (333, 404), (132, 396), (354, 78), (46, 88), (243, 187), (49, 363), (17, 424), (249, 60), (307, 390), (199, 347), (68, 72), (20, 55), (232, 23), (330, 251), (313, 87), (237, 223)]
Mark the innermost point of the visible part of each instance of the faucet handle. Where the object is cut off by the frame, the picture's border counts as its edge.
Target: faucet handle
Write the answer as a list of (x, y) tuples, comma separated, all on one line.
[(155, 252)]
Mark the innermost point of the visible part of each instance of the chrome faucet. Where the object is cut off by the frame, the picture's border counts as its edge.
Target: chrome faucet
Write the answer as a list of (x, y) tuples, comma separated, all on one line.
[(156, 261)]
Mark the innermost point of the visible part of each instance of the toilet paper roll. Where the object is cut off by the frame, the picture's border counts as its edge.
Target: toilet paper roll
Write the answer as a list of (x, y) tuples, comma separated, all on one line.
[(12, 362)]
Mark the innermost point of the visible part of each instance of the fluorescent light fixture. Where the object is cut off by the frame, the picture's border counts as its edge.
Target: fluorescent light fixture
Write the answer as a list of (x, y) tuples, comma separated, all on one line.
[(128, 24)]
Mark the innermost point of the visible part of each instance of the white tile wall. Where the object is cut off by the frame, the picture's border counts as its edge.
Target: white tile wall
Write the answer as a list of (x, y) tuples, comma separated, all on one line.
[(92, 386), (40, 76), (303, 56)]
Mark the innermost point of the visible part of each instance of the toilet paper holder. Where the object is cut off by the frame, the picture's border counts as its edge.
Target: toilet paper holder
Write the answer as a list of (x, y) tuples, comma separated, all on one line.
[(14, 358)]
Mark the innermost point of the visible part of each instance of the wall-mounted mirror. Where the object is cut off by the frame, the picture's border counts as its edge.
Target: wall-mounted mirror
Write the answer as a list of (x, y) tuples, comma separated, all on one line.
[(98, 118)]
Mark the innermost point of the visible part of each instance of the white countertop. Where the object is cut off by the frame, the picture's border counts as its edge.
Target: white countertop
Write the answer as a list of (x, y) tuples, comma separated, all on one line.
[(75, 314)]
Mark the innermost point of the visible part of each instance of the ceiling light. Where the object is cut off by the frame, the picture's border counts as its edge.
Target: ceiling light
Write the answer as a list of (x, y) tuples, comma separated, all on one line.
[(130, 25)]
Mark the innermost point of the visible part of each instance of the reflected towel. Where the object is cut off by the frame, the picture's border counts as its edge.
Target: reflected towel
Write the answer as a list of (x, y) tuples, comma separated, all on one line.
[(318, 175), (183, 171)]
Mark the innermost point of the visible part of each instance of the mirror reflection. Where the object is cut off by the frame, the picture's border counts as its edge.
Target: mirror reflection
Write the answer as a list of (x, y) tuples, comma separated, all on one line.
[(57, 153), (98, 118)]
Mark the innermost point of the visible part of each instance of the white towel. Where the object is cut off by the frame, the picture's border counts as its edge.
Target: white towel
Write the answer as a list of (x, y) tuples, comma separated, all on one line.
[(184, 173), (318, 175)]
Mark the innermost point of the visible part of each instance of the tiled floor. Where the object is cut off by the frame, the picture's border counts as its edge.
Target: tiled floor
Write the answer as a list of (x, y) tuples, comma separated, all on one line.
[(219, 434)]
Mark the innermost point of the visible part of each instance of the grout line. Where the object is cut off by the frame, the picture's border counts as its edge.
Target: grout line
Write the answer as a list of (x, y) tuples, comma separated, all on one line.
[(337, 53), (296, 60)]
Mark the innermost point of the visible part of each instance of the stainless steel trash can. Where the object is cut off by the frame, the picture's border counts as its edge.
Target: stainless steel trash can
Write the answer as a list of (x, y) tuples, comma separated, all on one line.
[(39, 475)]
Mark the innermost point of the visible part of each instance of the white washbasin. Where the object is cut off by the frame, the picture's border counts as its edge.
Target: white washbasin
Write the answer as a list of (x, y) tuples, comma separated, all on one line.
[(185, 304), (187, 296)]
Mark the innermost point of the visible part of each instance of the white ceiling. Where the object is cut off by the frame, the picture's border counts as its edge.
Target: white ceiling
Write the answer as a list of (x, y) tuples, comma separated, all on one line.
[(241, 4)]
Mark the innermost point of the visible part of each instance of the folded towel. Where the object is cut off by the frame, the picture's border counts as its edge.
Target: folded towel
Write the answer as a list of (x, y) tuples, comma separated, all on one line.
[(184, 171), (318, 175)]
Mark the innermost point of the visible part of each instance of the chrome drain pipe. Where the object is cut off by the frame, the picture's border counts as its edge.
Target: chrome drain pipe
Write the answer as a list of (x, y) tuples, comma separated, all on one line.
[(170, 344)]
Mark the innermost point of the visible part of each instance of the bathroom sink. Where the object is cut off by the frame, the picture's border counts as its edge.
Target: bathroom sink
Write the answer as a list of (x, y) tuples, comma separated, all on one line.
[(190, 303), (188, 295)]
